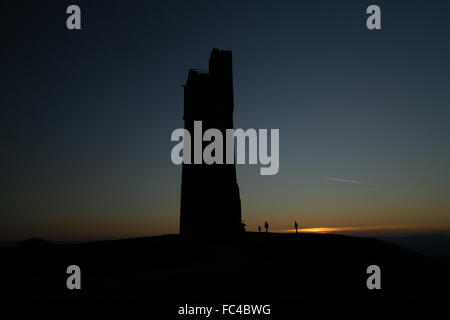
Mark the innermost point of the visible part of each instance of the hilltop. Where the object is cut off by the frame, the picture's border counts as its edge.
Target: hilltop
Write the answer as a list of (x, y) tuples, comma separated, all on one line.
[(255, 266)]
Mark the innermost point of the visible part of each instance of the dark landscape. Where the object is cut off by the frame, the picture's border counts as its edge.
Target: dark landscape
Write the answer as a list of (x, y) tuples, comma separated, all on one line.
[(252, 267), (210, 153)]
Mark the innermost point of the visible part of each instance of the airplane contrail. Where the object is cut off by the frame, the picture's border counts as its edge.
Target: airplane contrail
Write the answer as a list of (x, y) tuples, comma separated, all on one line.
[(347, 181)]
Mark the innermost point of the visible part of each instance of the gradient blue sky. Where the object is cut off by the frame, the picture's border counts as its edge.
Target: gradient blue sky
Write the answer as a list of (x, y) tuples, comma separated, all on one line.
[(87, 115)]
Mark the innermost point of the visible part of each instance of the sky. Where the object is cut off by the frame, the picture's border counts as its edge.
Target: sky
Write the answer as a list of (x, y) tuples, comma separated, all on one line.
[(87, 115)]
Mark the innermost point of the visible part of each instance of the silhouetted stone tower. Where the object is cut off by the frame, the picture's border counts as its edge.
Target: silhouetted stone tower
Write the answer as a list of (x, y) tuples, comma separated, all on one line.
[(210, 202)]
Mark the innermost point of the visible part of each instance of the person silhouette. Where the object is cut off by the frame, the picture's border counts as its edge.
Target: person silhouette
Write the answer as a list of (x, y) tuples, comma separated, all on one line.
[(266, 226), (259, 228), (296, 227)]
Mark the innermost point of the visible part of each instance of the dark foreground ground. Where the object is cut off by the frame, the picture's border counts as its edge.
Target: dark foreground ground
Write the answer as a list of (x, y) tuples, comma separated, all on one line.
[(258, 268)]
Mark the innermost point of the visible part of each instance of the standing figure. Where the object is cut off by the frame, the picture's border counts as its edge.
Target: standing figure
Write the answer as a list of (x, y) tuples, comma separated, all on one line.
[(296, 227), (266, 225), (259, 228)]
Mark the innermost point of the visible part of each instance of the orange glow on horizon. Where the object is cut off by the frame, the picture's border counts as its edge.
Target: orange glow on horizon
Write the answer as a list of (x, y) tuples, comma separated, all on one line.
[(367, 230)]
